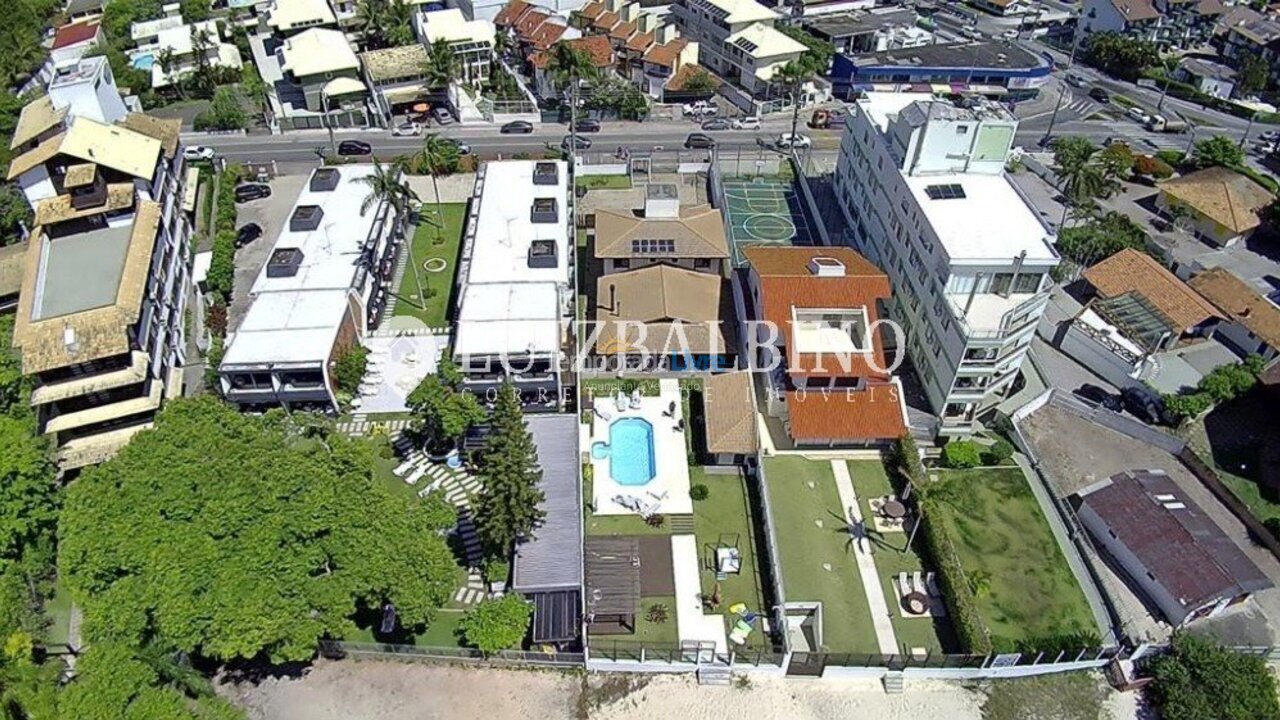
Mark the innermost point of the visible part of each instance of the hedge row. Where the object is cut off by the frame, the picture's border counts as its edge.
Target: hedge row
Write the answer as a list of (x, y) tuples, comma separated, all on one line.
[(935, 548), (222, 266)]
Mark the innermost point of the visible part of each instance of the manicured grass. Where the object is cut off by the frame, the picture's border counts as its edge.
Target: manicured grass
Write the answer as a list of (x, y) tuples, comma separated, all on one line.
[(803, 493), (871, 481), (1025, 589), (58, 610), (1236, 447), (726, 514), (605, 182), (434, 311), (442, 632), (661, 635), (624, 525)]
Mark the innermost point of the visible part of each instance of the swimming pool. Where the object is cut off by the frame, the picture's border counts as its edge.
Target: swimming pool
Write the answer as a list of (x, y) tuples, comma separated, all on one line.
[(630, 451), (143, 61)]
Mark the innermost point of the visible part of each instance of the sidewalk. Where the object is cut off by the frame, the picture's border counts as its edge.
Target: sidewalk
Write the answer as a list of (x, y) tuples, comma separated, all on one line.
[(885, 637)]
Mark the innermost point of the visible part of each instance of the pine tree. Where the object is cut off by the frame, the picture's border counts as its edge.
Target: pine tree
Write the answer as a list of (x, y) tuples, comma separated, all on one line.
[(507, 510)]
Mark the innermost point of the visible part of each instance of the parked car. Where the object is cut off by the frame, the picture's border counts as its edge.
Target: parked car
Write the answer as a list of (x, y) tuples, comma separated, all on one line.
[(442, 115), (699, 141), (252, 191), (746, 123), (717, 124), (1144, 405), (248, 233), (1099, 396), (786, 140), (581, 144), (406, 129), (198, 152), (517, 126), (1076, 80), (1100, 95), (587, 126), (1138, 114), (701, 107), (463, 148), (354, 147), (971, 32)]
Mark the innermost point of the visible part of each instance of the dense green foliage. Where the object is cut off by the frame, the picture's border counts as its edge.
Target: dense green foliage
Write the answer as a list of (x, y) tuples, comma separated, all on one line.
[(1152, 166), (116, 681), (230, 536), (385, 23), (1102, 237), (350, 368), (497, 623), (21, 37), (961, 454), (118, 15), (225, 112), (14, 213), (1200, 680), (1120, 55), (222, 264), (1218, 150), (817, 59), (1223, 383), (507, 509), (442, 413), (998, 454)]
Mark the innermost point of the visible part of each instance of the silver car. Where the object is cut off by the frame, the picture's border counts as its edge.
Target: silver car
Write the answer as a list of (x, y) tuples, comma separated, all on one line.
[(407, 129)]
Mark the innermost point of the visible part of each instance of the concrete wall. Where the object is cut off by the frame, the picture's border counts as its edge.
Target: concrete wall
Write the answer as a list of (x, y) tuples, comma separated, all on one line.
[(1082, 348)]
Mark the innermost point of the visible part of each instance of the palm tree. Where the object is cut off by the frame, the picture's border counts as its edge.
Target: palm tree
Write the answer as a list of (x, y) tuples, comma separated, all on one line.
[(1082, 178), (385, 186), (792, 75), (441, 65), (570, 64), (438, 155)]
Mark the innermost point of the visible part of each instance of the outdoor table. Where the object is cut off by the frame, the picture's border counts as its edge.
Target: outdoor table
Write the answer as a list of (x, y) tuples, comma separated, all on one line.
[(894, 509), (915, 603)]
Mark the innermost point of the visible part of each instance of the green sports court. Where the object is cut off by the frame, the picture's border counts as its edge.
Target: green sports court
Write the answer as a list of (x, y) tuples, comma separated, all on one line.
[(765, 212)]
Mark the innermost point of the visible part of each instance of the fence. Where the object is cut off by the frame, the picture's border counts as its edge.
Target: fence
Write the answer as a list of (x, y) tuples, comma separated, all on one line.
[(626, 651), (338, 649)]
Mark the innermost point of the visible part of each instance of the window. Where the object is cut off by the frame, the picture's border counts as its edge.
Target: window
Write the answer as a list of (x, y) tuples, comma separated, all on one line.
[(962, 129), (701, 263), (653, 247), (950, 191)]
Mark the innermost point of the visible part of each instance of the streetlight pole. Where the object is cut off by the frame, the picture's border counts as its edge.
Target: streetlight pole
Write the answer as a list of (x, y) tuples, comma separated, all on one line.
[(328, 121), (1053, 119), (1248, 129)]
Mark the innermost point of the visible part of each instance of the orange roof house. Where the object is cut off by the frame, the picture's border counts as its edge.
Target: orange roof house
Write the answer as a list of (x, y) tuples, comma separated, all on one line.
[(832, 385)]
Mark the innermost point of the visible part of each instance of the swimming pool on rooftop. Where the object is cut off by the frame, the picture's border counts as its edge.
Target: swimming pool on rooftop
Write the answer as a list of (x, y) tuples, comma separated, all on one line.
[(143, 61), (630, 451)]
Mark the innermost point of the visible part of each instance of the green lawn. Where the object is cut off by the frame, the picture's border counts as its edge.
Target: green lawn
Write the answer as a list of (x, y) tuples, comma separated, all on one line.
[(659, 635), (435, 311), (1233, 451), (58, 610), (442, 632), (726, 515), (871, 481), (1026, 590), (802, 494), (605, 182)]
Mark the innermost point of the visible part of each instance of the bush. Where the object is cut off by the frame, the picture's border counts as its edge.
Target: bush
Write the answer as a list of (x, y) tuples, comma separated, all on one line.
[(1171, 157), (350, 368), (699, 492), (1184, 406), (1152, 167), (222, 266), (1200, 679), (937, 551), (212, 360), (1272, 525), (216, 320), (497, 571), (961, 455), (658, 614), (497, 623), (998, 454)]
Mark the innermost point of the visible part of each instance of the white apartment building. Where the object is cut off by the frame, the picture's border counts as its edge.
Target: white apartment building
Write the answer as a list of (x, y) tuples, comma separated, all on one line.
[(922, 185), (515, 280), (320, 291), (100, 317), (736, 40), (470, 40)]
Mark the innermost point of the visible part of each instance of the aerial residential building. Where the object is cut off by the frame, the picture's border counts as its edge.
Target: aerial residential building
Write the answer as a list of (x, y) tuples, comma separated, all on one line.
[(664, 317), (1252, 324), (492, 9), (664, 234), (995, 69), (287, 17), (854, 33), (534, 28), (471, 40), (1225, 206), (171, 49), (322, 64), (596, 48), (73, 40), (319, 293), (1211, 78), (515, 292), (100, 317), (1170, 24), (923, 189), (1242, 32), (83, 9), (395, 78), (84, 89), (736, 40), (1168, 548), (829, 381)]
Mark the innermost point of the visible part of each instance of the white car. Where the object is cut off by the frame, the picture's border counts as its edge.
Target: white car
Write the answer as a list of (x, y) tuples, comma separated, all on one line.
[(1139, 114), (699, 108), (1009, 34), (746, 123), (785, 140), (406, 129), (198, 152)]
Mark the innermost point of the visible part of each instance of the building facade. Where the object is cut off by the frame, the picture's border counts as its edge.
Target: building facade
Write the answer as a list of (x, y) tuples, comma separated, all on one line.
[(737, 40), (922, 186)]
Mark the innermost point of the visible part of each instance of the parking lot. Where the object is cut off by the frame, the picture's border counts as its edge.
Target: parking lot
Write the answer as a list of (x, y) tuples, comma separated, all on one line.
[(272, 214)]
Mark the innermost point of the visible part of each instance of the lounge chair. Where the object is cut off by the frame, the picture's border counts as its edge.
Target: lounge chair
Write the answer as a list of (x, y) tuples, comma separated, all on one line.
[(416, 475), (602, 413), (620, 401), (904, 585), (635, 399), (917, 581), (404, 467)]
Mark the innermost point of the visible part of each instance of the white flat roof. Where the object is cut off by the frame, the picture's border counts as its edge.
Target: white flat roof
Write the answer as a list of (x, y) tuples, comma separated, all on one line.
[(285, 327), (504, 229), (498, 318), (763, 41), (452, 26), (738, 11), (991, 221), (881, 106)]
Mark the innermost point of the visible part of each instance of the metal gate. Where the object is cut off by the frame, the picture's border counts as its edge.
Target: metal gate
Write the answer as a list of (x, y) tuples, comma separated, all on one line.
[(807, 664)]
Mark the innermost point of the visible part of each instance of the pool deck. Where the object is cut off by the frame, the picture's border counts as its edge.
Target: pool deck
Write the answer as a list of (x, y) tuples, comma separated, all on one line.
[(668, 492)]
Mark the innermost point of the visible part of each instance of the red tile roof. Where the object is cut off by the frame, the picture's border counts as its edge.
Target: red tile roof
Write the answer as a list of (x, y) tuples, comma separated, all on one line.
[(786, 284), (595, 46), (547, 34), (622, 31), (641, 42), (74, 33), (510, 13), (530, 22), (592, 10), (665, 54), (870, 414), (686, 72)]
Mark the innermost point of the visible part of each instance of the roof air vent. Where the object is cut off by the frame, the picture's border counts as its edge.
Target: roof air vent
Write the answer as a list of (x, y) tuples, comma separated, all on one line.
[(542, 254), (546, 173), (324, 180), (545, 210), (306, 218), (826, 267), (284, 262)]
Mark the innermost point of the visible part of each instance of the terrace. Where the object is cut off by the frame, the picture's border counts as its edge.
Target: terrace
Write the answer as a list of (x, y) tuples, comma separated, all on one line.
[(435, 250)]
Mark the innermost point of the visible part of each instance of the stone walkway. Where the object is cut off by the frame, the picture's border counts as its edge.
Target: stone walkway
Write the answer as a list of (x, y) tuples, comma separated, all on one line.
[(885, 637), (359, 425)]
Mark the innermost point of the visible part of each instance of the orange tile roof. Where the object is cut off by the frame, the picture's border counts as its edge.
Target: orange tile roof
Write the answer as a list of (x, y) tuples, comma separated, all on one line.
[(624, 30), (1241, 303), (606, 21), (640, 43), (547, 34), (530, 22), (666, 53), (870, 414), (685, 72), (510, 13), (592, 10), (786, 284), (1131, 271), (597, 47)]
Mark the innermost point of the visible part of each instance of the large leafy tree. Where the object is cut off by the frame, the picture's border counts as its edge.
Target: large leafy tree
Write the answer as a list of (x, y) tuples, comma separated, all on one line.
[(119, 15), (1120, 55), (1083, 174), (114, 680), (231, 536), (21, 33), (507, 509), (1101, 237), (1200, 680), (441, 66), (1218, 150), (1252, 73), (817, 59), (497, 623), (28, 493), (385, 23), (442, 412)]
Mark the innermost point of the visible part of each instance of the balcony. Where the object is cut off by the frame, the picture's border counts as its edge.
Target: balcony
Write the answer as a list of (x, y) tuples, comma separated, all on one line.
[(992, 317), (79, 386)]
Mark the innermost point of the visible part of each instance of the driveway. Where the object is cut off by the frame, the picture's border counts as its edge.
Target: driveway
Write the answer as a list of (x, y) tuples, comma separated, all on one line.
[(272, 214)]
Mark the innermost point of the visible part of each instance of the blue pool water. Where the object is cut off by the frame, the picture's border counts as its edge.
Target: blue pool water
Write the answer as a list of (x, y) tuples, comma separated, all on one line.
[(630, 451), (143, 62)]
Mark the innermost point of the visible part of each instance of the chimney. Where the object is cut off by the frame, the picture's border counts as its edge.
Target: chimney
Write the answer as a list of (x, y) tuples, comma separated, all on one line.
[(667, 33)]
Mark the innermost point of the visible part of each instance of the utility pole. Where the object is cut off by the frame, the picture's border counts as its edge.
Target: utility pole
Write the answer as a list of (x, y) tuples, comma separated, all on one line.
[(328, 121), (1248, 129), (1053, 119)]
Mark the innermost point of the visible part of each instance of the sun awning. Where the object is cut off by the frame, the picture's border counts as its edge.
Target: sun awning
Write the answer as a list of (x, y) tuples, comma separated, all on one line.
[(342, 86)]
